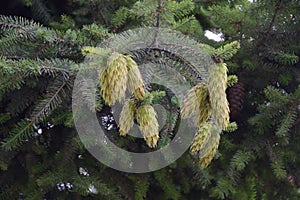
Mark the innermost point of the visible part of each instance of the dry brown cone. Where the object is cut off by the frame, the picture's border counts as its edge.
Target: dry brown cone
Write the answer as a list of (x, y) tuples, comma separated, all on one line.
[(148, 124), (217, 91), (113, 79), (135, 82), (235, 95), (127, 117)]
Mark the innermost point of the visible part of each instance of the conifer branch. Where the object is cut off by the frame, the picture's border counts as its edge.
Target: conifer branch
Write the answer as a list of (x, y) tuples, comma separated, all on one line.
[(19, 134), (54, 97)]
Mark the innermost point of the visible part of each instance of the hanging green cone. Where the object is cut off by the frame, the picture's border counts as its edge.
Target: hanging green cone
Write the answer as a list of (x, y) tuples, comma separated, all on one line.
[(217, 87), (127, 117), (148, 124)]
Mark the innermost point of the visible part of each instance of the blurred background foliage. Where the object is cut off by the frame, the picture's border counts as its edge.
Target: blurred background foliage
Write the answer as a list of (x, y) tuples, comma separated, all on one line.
[(41, 156)]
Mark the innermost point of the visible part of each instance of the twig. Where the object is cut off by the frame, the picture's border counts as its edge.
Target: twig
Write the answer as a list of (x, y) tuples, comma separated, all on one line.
[(276, 11), (158, 10)]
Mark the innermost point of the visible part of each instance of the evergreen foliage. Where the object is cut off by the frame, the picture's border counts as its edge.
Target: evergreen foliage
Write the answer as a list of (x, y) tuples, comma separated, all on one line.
[(41, 156)]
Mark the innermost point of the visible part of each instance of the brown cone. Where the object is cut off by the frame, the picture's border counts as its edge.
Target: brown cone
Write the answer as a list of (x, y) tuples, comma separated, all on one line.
[(235, 96)]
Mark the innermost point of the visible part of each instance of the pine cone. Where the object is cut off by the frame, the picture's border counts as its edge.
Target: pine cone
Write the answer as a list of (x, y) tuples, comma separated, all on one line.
[(148, 124), (217, 84), (127, 117), (113, 79), (206, 159), (197, 103), (201, 138), (235, 96), (135, 81)]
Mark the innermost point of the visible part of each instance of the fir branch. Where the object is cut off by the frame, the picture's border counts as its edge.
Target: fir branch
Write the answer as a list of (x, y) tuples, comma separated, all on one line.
[(55, 94), (20, 133), (279, 170), (240, 160), (8, 192), (30, 35), (83, 186), (15, 72), (232, 80), (9, 23), (181, 9), (286, 124), (8, 43), (286, 58), (56, 67), (234, 175), (227, 51), (120, 17), (141, 187), (277, 96), (276, 164), (201, 177), (41, 12), (167, 184), (49, 179), (223, 189)]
